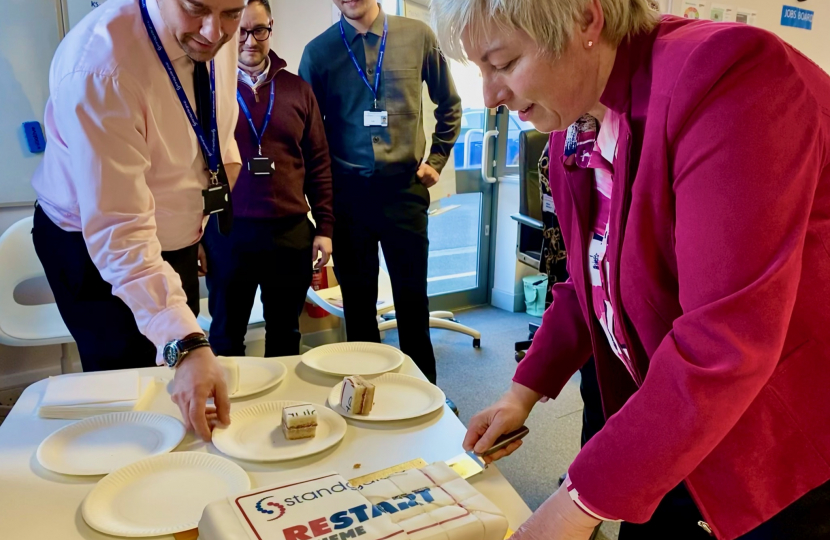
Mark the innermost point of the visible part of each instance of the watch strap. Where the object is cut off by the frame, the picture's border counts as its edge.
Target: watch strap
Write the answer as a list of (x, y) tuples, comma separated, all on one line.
[(195, 342)]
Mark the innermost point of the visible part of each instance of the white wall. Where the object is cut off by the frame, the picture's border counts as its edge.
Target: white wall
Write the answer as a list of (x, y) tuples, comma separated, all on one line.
[(813, 43), (296, 22), (508, 289)]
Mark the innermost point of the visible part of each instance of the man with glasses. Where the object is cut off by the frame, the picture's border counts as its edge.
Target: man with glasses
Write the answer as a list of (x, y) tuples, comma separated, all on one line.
[(367, 73), (285, 160), (140, 123)]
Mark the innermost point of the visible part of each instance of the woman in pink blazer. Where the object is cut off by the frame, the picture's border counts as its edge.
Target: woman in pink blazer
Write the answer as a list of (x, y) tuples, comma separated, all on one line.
[(696, 213)]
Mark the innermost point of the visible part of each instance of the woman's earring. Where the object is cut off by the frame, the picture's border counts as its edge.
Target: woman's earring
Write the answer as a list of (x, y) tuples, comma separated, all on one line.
[(590, 44)]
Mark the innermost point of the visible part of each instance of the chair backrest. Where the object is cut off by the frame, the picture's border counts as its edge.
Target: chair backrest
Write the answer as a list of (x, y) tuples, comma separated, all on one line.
[(22, 325), (531, 145)]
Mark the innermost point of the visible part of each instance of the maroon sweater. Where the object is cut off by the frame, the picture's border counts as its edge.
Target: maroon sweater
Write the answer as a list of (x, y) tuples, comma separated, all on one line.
[(296, 140)]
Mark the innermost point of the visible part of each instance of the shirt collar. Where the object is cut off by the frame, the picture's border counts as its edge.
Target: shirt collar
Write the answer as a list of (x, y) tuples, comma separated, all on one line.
[(168, 40), (247, 79), (376, 28)]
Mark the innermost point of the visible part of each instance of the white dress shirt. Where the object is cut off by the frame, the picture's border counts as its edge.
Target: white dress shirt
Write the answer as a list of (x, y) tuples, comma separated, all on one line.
[(123, 165), (256, 82)]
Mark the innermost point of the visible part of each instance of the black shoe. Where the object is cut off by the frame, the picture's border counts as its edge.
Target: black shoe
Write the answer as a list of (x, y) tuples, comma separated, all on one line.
[(452, 406)]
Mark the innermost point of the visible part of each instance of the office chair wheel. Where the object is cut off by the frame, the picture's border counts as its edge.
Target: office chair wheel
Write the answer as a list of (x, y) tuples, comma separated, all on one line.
[(520, 355), (476, 343)]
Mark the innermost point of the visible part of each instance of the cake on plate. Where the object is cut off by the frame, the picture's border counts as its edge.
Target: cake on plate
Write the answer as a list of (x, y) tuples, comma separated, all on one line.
[(299, 422), (432, 503), (357, 396)]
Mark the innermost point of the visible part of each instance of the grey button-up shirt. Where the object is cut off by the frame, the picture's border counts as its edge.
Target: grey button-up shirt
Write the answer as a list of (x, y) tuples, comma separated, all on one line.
[(412, 57)]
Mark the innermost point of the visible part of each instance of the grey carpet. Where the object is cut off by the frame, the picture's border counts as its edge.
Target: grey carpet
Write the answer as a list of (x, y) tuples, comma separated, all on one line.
[(475, 378)]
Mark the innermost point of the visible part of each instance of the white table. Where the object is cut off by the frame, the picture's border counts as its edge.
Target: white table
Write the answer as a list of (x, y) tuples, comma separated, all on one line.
[(36, 504)]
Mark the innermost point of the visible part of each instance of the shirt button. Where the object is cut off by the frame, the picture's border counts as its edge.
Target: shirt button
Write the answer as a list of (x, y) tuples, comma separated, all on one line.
[(375, 139)]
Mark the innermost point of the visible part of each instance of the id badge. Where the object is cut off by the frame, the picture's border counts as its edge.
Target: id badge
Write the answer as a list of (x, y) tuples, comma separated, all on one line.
[(375, 119), (547, 204), (261, 166), (215, 199)]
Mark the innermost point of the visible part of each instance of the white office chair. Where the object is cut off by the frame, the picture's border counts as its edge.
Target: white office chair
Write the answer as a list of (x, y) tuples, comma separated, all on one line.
[(256, 320), (27, 325), (331, 300)]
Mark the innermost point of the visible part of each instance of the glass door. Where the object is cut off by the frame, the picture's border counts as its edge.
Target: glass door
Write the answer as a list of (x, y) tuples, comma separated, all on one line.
[(461, 210)]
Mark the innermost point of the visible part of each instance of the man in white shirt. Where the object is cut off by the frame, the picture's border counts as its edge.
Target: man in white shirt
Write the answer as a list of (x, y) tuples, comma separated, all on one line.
[(132, 167)]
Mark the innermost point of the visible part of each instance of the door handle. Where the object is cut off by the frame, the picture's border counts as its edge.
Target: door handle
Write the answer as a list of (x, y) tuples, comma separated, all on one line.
[(488, 165)]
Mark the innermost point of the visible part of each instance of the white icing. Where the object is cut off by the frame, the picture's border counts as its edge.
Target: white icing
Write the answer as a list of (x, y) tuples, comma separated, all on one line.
[(495, 527), (327, 508), (348, 397), (380, 490), (299, 415), (480, 503), (440, 473), (423, 527), (460, 489), (411, 480), (458, 523)]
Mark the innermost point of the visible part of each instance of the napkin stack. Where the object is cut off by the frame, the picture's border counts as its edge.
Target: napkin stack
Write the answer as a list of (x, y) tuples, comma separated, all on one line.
[(81, 395)]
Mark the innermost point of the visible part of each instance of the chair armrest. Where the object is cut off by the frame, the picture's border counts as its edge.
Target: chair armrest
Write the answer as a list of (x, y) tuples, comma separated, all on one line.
[(529, 221)]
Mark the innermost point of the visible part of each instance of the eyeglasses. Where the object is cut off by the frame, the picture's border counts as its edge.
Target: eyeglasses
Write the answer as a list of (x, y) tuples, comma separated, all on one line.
[(260, 33)]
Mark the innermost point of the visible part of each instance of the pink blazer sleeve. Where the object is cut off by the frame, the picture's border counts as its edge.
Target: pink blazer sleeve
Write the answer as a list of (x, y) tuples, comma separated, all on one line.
[(746, 161), (560, 347)]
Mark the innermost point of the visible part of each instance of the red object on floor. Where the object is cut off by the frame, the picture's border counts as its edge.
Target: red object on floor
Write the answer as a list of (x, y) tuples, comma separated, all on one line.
[(318, 281)]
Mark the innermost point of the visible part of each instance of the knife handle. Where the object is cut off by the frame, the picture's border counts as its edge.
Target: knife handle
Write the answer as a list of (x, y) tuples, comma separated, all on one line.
[(505, 440)]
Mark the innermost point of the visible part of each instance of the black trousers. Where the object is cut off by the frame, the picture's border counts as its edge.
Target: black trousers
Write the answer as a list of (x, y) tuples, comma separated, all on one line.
[(677, 518), (390, 211), (274, 255), (102, 325)]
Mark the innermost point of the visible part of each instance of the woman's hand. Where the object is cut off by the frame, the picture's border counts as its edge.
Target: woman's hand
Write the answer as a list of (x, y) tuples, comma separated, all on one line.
[(559, 518), (506, 415)]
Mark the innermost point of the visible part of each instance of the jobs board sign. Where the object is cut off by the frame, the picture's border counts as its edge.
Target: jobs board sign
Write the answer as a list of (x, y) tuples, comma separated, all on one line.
[(797, 17), (78, 9)]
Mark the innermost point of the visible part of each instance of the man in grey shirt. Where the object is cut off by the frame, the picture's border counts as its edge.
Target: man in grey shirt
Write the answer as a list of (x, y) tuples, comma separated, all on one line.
[(367, 73)]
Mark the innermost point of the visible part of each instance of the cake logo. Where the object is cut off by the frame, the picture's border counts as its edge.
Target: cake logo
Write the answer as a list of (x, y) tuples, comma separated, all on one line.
[(269, 512)]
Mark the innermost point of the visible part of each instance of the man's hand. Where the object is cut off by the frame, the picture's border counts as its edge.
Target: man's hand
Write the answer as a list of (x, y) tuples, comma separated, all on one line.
[(506, 415), (198, 378), (427, 175), (559, 518), (321, 247), (202, 261)]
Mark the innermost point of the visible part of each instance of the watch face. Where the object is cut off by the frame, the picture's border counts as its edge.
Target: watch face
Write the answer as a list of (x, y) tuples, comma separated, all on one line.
[(171, 353)]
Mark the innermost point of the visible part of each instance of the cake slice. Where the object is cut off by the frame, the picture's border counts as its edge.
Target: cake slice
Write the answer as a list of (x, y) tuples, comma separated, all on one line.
[(299, 422), (357, 395)]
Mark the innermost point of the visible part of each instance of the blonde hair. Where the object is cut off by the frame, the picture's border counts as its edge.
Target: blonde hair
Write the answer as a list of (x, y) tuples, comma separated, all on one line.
[(548, 22)]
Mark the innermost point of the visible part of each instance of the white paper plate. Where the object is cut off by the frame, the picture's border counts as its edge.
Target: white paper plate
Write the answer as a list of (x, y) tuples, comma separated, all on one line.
[(355, 358), (258, 375), (255, 375), (397, 397), (255, 433), (104, 443), (161, 495)]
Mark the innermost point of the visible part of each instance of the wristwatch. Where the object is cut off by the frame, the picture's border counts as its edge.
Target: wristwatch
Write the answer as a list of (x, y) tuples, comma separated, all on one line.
[(177, 349)]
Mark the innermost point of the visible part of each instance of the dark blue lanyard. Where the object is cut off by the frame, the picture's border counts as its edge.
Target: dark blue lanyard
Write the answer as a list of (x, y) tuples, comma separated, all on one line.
[(211, 155), (244, 107), (374, 89)]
